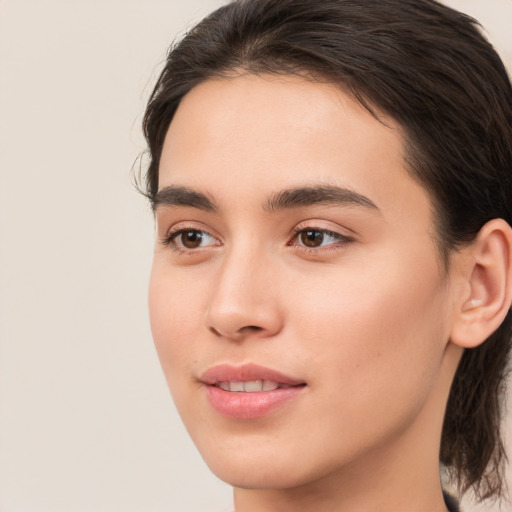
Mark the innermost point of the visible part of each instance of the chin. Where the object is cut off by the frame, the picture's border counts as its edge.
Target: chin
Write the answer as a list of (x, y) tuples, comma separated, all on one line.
[(273, 468), (256, 477)]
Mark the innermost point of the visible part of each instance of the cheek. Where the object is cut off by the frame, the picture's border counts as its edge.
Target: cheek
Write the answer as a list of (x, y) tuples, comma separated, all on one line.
[(376, 356), (379, 335), (173, 311)]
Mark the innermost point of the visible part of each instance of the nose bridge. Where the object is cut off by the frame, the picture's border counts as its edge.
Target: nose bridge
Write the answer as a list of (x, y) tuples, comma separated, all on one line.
[(244, 298)]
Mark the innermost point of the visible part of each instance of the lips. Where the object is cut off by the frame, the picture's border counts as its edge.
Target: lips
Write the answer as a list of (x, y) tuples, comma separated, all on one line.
[(249, 391)]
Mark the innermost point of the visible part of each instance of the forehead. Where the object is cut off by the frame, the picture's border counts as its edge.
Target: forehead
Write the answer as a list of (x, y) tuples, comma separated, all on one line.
[(249, 136)]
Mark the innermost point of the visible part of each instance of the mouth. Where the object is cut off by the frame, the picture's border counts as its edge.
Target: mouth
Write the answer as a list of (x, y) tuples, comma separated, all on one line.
[(249, 391), (252, 386)]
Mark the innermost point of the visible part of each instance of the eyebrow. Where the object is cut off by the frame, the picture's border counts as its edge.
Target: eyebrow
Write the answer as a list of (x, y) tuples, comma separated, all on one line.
[(322, 194), (173, 195), (182, 196)]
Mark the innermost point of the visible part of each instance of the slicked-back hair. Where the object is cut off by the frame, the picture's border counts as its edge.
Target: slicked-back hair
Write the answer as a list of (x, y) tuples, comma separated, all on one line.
[(429, 68)]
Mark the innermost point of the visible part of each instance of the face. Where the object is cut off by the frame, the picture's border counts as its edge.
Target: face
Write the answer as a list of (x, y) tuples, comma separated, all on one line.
[(297, 299)]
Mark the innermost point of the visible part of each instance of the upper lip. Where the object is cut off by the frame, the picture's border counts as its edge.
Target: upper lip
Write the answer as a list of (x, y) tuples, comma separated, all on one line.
[(244, 373)]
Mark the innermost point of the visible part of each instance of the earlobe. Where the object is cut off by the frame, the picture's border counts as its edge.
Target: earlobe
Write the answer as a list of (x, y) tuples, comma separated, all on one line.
[(489, 276)]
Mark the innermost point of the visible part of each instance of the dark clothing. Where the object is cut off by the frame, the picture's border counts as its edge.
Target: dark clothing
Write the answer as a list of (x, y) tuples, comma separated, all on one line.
[(451, 503)]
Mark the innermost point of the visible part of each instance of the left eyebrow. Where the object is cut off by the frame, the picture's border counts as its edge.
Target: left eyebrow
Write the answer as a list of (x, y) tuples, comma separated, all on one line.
[(322, 195), (182, 196)]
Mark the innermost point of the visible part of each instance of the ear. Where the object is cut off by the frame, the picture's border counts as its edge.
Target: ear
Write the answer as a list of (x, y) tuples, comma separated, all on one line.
[(487, 295)]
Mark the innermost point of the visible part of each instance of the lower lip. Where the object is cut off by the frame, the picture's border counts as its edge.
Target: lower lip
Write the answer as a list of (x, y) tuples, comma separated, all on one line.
[(248, 406)]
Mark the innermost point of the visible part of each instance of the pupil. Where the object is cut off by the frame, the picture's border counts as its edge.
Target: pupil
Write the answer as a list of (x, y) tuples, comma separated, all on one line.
[(192, 239), (312, 238)]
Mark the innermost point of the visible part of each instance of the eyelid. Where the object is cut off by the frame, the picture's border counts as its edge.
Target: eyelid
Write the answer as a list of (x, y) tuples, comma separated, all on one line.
[(343, 239), (169, 239), (182, 227)]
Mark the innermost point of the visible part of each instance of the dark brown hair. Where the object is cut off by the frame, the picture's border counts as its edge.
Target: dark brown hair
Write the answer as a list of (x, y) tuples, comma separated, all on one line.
[(428, 67)]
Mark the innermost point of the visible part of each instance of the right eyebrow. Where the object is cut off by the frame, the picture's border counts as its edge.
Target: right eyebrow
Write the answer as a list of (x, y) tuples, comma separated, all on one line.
[(319, 194), (182, 196)]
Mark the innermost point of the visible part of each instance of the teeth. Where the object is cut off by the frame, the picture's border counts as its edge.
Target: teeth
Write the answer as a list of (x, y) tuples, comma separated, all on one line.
[(269, 385), (252, 386), (236, 386)]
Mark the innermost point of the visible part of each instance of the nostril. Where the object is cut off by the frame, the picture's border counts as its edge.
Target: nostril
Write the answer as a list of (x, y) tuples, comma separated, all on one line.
[(248, 330), (215, 331), (240, 333)]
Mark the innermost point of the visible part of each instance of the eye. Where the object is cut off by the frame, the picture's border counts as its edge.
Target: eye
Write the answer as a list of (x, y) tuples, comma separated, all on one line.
[(190, 239), (313, 238)]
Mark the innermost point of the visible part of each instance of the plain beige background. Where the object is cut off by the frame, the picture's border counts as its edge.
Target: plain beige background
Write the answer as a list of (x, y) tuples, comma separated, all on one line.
[(86, 422)]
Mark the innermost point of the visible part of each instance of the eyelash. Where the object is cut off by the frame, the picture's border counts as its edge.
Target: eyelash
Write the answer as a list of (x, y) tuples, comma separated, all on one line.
[(341, 240), (170, 239)]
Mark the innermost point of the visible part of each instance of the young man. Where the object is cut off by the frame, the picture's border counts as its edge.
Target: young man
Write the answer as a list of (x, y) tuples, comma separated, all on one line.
[(332, 280)]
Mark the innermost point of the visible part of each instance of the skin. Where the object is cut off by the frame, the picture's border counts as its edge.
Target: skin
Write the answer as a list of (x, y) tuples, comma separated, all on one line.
[(364, 318)]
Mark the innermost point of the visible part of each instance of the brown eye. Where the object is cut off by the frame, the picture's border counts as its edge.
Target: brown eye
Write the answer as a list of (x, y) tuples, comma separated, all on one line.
[(191, 239), (311, 238), (317, 238)]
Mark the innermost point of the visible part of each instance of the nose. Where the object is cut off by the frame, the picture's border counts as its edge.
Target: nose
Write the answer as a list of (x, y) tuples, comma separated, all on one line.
[(244, 301)]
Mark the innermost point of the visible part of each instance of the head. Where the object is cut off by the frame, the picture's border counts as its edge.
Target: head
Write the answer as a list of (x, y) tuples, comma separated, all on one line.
[(436, 103)]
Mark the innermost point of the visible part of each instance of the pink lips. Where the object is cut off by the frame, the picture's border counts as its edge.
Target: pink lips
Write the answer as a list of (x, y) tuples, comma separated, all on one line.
[(248, 405)]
